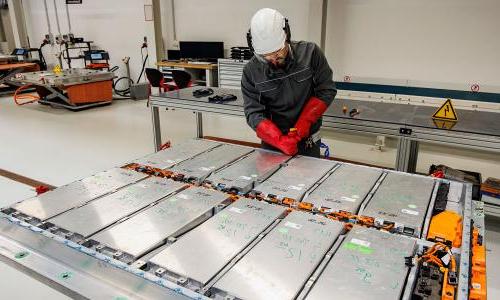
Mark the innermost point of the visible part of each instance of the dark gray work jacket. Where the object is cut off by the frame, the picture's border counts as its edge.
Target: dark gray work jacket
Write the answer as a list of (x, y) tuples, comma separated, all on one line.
[(280, 94)]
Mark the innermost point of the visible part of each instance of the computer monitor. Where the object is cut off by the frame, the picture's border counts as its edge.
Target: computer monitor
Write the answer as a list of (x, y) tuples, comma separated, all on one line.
[(174, 54), (20, 51), (96, 55), (201, 50)]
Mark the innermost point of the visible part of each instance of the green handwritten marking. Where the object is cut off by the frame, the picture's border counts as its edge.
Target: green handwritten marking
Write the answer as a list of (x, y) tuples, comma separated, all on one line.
[(362, 249), (350, 246), (65, 275), (283, 230), (372, 262), (412, 206), (364, 274), (365, 250), (223, 215), (120, 298), (22, 254)]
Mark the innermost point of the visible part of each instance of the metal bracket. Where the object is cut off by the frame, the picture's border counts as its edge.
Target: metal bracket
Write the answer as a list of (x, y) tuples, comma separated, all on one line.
[(405, 131)]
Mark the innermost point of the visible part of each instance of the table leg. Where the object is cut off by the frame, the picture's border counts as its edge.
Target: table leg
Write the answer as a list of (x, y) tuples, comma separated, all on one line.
[(199, 125), (208, 77), (407, 155), (155, 118)]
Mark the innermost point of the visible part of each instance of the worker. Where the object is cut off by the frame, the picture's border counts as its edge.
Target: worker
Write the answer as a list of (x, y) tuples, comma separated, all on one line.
[(287, 86)]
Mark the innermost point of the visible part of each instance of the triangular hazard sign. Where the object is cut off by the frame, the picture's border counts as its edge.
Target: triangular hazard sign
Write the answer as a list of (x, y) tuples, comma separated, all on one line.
[(444, 124), (446, 112)]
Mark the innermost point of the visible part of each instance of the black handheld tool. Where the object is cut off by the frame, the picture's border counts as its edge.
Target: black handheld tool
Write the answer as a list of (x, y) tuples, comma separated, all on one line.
[(222, 98)]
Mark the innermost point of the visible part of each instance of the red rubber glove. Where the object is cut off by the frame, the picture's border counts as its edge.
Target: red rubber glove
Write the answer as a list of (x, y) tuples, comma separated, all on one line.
[(310, 114), (270, 133)]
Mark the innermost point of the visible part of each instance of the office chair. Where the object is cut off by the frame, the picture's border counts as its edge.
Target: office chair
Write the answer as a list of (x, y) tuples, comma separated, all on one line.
[(155, 78), (182, 79)]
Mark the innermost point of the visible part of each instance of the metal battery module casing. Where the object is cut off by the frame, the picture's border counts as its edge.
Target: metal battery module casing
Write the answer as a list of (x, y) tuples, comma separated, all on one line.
[(170, 217), (203, 252), (167, 158), (279, 265), (295, 178), (369, 264), (396, 201), (243, 174), (201, 166), (52, 203), (93, 217), (345, 189)]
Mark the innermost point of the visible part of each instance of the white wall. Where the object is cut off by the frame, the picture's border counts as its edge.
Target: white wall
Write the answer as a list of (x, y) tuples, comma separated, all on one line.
[(7, 29), (229, 20), (454, 41), (117, 26)]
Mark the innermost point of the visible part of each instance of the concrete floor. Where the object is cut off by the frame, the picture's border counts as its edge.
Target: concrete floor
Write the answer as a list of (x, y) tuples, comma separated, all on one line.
[(57, 146)]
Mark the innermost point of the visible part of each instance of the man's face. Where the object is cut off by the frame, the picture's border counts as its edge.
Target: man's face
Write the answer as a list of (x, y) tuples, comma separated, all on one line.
[(277, 58)]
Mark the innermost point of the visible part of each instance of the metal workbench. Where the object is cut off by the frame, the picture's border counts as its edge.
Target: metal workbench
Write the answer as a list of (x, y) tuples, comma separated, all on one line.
[(125, 234), (410, 124)]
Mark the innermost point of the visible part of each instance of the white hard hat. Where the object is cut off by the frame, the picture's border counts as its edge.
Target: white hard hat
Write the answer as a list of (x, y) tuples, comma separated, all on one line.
[(266, 28)]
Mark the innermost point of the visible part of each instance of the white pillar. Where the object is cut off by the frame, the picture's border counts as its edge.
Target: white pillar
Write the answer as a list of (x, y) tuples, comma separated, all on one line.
[(13, 21), (149, 30)]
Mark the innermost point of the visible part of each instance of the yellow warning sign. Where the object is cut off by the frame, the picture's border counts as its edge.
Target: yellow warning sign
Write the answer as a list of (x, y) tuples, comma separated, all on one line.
[(446, 112), (444, 124), (57, 69)]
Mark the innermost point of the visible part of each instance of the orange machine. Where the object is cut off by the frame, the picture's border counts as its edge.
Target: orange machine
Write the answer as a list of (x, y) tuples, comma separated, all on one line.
[(101, 91), (74, 89)]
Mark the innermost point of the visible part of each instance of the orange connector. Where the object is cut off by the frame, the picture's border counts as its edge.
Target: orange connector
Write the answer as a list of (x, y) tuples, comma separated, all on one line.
[(478, 279), (366, 221), (234, 198), (478, 286), (478, 253), (131, 166), (448, 291), (288, 201), (305, 206)]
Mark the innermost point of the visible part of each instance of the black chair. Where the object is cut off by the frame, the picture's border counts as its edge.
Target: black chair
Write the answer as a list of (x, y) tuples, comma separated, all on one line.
[(155, 78), (182, 79)]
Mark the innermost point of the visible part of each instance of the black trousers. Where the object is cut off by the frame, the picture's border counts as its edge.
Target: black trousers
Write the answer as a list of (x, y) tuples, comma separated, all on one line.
[(313, 151)]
